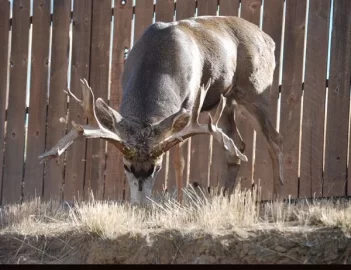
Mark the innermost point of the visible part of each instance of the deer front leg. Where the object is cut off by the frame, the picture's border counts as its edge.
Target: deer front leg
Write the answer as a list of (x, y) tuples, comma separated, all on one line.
[(228, 125), (179, 168)]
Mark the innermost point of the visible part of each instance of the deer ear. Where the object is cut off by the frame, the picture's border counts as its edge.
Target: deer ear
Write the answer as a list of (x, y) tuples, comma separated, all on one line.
[(108, 117), (172, 124), (180, 121)]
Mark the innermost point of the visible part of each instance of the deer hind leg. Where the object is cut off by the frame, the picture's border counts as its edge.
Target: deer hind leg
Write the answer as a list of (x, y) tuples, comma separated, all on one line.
[(257, 112)]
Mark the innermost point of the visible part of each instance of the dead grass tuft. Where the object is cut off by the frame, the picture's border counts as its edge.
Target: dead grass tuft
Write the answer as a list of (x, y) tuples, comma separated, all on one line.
[(200, 212)]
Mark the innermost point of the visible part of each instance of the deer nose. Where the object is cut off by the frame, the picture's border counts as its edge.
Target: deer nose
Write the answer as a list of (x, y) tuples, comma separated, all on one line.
[(140, 185), (142, 173)]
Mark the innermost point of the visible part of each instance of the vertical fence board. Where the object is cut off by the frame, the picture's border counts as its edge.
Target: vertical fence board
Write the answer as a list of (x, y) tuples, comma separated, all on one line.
[(4, 66), (272, 25), (229, 7), (250, 11), (14, 149), (54, 174), (312, 140), (143, 17), (81, 34), (200, 144), (123, 14), (291, 92), (99, 72), (184, 9), (207, 7), (33, 178), (164, 13), (338, 101)]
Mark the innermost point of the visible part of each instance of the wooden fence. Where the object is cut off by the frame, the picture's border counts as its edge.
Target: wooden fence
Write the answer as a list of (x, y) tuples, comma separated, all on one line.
[(47, 46)]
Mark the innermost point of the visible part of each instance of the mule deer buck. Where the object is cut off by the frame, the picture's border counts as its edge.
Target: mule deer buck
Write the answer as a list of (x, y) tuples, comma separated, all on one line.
[(173, 72)]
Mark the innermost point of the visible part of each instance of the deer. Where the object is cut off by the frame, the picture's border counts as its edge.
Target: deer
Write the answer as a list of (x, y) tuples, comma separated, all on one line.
[(174, 72)]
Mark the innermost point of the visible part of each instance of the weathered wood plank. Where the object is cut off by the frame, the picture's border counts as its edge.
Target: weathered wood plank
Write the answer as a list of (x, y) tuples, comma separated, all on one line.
[(229, 7), (272, 25), (250, 11), (75, 157), (4, 69), (312, 140), (207, 7), (115, 177), (185, 9), (164, 10), (338, 101), (99, 75), (54, 170), (291, 92), (14, 149), (34, 172), (200, 144), (143, 17)]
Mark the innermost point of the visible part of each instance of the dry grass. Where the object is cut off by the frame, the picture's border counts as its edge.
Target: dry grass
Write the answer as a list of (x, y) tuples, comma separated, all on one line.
[(199, 213)]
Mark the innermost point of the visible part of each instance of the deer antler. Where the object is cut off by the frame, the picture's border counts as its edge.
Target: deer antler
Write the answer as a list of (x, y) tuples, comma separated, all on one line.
[(93, 130), (194, 127)]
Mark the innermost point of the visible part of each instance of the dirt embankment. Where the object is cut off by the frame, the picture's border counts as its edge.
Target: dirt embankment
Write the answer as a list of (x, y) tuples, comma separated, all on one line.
[(323, 246)]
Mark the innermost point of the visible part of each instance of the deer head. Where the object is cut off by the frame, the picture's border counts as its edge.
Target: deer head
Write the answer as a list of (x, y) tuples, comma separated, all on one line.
[(142, 147)]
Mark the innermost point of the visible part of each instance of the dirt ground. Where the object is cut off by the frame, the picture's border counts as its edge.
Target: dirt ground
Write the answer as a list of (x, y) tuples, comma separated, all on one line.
[(307, 246)]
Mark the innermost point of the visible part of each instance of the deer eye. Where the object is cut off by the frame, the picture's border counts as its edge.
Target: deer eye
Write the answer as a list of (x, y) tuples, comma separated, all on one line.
[(158, 167), (126, 168)]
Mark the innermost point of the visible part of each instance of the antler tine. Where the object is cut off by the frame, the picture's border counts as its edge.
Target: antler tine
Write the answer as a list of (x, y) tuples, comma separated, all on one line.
[(93, 130), (88, 102), (227, 143), (200, 101), (194, 128), (61, 146), (68, 92), (219, 110)]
